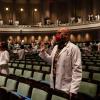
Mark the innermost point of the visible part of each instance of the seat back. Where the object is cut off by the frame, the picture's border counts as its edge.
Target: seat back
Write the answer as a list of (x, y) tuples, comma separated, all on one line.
[(85, 74), (88, 89), (46, 68), (55, 97), (18, 72), (23, 89), (15, 64), (21, 65), (38, 94), (96, 76), (27, 73), (11, 84), (11, 70), (29, 66), (37, 76), (47, 78), (36, 67), (2, 80)]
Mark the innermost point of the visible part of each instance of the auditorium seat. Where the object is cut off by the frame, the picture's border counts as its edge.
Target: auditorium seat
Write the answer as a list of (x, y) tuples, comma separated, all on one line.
[(55, 97), (38, 94), (37, 76), (36, 67), (23, 89), (2, 80), (21, 93), (85, 74), (28, 66), (47, 77), (18, 72), (27, 73), (94, 68), (46, 68), (10, 85), (11, 70), (9, 64), (14, 64), (96, 76), (89, 89), (21, 65)]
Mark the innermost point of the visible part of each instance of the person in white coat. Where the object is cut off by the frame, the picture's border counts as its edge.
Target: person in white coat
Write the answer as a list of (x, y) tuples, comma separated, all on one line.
[(4, 58), (66, 67)]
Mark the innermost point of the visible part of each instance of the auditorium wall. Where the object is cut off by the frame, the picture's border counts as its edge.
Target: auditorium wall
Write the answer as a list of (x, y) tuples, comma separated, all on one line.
[(80, 36), (53, 9)]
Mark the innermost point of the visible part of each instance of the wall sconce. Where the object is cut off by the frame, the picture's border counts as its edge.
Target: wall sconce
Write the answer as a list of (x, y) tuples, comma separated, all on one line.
[(21, 9), (7, 9), (35, 10)]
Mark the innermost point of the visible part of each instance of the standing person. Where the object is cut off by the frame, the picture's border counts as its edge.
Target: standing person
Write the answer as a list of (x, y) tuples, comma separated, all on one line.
[(4, 58), (65, 59), (21, 53)]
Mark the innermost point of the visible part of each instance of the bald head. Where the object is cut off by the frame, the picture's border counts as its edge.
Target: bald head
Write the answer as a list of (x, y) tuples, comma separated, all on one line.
[(64, 29), (65, 33)]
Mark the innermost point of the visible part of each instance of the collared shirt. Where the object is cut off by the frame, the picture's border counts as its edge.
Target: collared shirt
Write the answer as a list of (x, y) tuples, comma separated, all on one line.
[(55, 62), (56, 59)]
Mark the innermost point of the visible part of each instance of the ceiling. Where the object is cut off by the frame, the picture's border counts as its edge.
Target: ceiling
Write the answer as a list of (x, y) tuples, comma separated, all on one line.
[(31, 1), (22, 1)]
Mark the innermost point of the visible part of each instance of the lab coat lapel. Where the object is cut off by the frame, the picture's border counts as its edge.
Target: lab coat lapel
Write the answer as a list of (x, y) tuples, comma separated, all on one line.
[(65, 48), (55, 50)]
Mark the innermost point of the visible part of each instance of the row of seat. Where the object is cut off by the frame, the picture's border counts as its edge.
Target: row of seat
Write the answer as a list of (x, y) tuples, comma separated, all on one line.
[(41, 75), (92, 63), (33, 74), (91, 88), (30, 66), (91, 68), (19, 88), (91, 76), (91, 72), (95, 81)]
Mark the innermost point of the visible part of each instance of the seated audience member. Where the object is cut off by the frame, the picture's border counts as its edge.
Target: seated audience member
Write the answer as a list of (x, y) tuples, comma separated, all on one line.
[(21, 53)]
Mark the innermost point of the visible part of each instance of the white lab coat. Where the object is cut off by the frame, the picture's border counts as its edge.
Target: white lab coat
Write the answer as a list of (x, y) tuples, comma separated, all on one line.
[(69, 68), (4, 59)]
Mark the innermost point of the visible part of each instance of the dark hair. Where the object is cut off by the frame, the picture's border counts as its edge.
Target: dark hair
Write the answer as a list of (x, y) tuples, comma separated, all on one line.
[(22, 46), (4, 45)]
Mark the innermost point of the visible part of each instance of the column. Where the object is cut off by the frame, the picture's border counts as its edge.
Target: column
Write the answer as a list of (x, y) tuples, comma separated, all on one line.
[(14, 11), (28, 12), (1, 9), (45, 9)]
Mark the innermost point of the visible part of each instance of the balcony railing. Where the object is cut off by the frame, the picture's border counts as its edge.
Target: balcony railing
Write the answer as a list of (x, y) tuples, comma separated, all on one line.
[(46, 28)]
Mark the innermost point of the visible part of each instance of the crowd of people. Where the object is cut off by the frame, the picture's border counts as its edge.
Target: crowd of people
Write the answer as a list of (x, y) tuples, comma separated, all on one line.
[(72, 20)]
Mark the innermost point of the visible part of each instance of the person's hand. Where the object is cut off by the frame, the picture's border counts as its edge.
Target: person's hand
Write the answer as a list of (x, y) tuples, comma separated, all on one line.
[(58, 37), (42, 47)]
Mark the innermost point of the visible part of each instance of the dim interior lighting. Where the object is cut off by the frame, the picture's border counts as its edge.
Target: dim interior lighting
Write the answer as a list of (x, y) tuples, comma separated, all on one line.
[(6, 8), (21, 9), (35, 10)]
